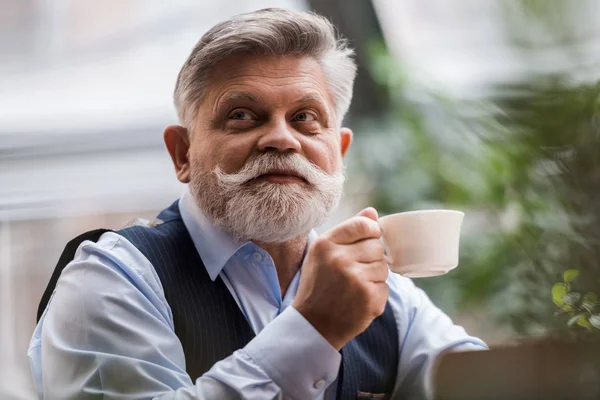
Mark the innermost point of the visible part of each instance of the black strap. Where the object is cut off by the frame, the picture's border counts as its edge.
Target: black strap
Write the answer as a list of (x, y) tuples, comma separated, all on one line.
[(65, 258)]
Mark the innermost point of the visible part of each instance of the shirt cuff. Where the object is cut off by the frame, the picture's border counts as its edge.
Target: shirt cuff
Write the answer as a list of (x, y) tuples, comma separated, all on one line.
[(295, 355)]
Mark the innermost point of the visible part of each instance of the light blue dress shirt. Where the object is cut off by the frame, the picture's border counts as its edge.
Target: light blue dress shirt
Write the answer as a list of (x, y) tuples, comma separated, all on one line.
[(108, 331)]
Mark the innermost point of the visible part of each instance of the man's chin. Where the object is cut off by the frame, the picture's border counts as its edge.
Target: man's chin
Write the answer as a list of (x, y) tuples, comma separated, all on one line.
[(273, 220), (265, 211)]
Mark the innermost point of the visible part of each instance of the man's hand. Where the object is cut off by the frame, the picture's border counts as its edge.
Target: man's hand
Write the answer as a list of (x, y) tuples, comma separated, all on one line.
[(343, 287)]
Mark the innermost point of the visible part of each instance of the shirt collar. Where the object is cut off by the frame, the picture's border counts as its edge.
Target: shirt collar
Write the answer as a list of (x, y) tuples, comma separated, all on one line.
[(214, 246)]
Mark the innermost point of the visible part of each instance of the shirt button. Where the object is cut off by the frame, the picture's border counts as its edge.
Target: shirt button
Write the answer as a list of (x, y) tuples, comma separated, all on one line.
[(319, 384), (257, 256)]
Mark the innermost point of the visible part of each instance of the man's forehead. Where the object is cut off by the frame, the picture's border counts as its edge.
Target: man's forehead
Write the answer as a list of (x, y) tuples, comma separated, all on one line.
[(254, 78)]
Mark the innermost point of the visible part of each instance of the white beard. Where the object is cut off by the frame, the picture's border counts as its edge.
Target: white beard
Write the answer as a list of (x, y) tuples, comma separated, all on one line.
[(263, 211)]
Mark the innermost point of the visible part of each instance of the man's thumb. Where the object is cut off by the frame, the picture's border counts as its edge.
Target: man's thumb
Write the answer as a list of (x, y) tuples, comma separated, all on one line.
[(370, 213)]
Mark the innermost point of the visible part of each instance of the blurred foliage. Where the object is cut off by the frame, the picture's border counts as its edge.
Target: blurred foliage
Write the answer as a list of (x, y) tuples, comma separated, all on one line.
[(525, 166), (582, 310)]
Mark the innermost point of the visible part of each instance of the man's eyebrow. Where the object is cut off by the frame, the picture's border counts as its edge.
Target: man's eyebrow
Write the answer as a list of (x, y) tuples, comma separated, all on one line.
[(238, 96), (311, 97)]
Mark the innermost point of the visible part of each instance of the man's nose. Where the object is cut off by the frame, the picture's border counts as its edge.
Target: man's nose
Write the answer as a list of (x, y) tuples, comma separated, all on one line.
[(279, 136)]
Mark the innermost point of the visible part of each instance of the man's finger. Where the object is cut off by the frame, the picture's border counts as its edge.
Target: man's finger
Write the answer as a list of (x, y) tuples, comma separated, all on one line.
[(376, 271), (366, 251), (353, 230), (370, 213)]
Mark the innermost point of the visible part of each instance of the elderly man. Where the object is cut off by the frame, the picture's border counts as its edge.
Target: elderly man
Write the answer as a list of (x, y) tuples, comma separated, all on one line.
[(230, 293)]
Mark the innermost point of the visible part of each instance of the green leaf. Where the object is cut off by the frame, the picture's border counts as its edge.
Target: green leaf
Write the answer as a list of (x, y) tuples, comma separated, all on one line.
[(589, 301), (570, 275), (559, 290), (583, 321), (595, 321), (587, 306), (574, 319), (572, 298)]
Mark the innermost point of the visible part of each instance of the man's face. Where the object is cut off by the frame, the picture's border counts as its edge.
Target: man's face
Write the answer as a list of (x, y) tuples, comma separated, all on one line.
[(266, 147)]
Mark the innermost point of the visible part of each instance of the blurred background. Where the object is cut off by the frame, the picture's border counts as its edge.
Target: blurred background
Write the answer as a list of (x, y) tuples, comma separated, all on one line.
[(486, 106)]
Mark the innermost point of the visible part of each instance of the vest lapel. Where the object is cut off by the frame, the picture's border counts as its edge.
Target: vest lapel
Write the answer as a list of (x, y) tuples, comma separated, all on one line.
[(207, 320)]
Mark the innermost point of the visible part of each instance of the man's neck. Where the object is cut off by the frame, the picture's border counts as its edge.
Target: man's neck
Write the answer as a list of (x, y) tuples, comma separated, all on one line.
[(287, 257)]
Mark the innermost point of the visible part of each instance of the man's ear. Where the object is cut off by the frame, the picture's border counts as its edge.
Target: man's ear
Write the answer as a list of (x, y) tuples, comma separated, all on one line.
[(178, 144), (346, 140)]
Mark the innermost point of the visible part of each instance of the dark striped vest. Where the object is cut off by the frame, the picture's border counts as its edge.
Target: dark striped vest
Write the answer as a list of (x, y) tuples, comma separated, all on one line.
[(211, 326)]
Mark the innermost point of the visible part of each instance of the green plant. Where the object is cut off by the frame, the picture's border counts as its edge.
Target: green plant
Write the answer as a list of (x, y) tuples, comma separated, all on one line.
[(525, 166), (583, 310)]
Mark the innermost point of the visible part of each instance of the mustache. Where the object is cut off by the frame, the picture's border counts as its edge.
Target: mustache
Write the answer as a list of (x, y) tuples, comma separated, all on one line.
[(272, 163)]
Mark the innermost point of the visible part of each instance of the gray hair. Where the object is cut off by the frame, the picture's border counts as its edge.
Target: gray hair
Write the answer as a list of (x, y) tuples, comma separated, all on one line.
[(272, 32)]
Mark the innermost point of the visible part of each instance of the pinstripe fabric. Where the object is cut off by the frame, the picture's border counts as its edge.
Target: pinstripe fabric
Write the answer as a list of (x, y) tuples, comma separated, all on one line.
[(207, 320), (369, 362), (211, 326)]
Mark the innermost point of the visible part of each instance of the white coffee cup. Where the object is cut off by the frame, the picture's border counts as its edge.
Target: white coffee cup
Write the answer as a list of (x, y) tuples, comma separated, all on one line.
[(423, 243)]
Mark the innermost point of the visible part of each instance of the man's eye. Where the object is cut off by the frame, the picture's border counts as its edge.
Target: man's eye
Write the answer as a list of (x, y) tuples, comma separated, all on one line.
[(241, 116), (304, 116)]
